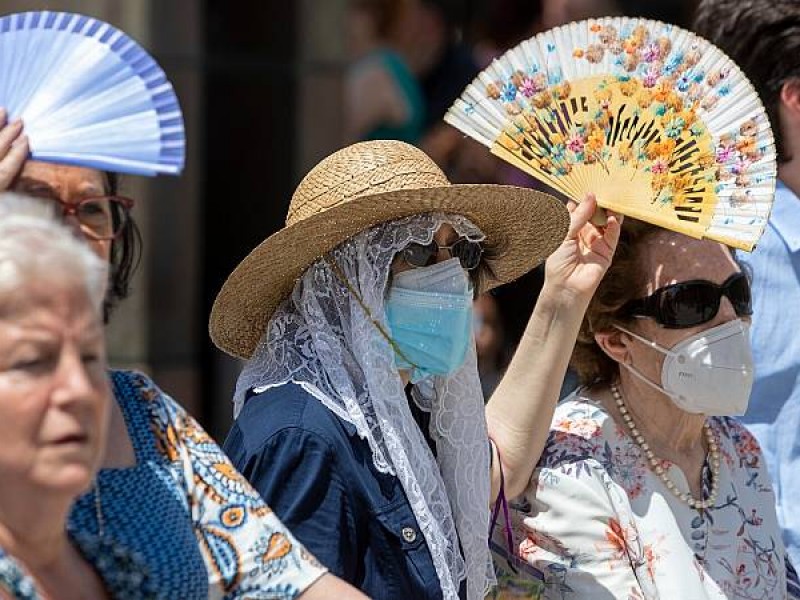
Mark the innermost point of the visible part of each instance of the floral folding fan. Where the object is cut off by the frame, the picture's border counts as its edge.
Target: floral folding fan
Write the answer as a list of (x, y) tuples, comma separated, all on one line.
[(88, 95), (656, 121)]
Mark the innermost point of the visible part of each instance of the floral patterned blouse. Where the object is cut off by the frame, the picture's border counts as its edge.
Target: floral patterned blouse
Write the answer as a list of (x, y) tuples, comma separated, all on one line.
[(182, 523), (596, 522)]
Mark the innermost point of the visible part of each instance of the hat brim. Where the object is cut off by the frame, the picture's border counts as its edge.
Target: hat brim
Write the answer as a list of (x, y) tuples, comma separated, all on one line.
[(525, 226)]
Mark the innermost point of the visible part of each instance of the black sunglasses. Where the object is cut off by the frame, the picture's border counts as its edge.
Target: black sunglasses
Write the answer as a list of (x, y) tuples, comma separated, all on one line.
[(692, 303), (468, 252)]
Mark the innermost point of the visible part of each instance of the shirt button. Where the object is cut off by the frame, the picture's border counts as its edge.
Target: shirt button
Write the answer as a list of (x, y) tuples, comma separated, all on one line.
[(409, 534)]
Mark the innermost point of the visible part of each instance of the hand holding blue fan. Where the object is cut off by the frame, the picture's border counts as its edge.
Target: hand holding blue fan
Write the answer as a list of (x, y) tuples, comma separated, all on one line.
[(89, 95)]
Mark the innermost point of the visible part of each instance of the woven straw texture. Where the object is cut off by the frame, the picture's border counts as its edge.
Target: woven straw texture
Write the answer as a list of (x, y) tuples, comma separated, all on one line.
[(361, 186)]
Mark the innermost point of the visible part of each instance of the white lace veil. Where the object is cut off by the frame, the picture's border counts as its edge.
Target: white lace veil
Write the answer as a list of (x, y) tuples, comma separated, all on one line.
[(322, 339)]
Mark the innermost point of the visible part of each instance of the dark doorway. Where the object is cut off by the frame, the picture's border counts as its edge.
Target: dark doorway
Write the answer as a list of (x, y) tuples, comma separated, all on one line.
[(249, 150)]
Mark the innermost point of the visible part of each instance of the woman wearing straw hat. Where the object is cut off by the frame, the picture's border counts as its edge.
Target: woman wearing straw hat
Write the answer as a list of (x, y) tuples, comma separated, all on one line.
[(360, 417)]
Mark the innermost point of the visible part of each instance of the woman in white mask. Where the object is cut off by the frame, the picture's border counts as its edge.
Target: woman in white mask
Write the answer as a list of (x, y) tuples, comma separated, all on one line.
[(366, 296), (648, 488)]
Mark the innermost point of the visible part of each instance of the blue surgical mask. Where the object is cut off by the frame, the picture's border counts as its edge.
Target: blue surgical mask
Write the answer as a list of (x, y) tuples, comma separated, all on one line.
[(429, 313)]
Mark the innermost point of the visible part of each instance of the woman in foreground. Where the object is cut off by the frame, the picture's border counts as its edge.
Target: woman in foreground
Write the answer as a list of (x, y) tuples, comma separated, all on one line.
[(54, 401)]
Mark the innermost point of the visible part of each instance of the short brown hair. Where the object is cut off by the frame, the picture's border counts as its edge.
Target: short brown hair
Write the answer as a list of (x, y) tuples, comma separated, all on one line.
[(763, 38), (621, 283), (385, 13)]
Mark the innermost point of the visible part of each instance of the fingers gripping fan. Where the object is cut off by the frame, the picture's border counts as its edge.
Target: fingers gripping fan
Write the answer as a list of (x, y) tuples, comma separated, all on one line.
[(657, 122), (89, 95)]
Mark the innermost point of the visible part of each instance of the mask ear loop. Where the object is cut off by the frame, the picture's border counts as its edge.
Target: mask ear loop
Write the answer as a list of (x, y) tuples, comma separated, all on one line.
[(645, 341), (337, 271), (635, 372)]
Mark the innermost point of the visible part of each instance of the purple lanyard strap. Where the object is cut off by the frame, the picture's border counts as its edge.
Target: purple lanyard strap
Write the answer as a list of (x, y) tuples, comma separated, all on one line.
[(501, 501)]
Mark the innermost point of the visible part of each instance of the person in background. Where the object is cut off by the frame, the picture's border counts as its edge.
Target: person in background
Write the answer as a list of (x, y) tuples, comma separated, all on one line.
[(167, 515), (498, 27), (54, 400), (383, 99), (763, 37), (432, 39), (647, 488), (443, 61)]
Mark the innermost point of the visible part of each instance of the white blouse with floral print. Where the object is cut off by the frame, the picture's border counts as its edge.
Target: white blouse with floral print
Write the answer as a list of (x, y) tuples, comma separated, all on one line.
[(596, 522)]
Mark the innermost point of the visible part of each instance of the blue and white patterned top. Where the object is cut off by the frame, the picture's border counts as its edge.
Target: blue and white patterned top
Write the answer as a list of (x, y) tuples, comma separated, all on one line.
[(597, 522), (182, 523)]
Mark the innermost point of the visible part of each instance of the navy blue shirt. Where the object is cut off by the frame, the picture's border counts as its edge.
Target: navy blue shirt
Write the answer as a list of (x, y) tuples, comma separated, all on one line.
[(317, 475)]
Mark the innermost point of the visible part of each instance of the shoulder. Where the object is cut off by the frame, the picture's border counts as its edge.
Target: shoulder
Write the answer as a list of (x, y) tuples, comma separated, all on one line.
[(732, 429), (134, 387), (392, 60), (581, 430), (741, 453), (371, 69), (291, 409), (580, 415), (736, 440), (138, 394), (134, 384), (588, 449)]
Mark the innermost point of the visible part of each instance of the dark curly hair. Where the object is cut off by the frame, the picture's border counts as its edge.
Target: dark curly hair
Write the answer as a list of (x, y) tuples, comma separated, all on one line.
[(763, 38), (126, 252), (385, 13)]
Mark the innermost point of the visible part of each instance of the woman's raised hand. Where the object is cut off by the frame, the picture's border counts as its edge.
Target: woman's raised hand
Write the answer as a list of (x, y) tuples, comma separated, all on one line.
[(13, 149), (520, 410), (579, 264)]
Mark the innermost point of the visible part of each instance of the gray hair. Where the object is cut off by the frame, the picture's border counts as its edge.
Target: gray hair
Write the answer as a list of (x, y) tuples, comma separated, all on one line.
[(36, 247)]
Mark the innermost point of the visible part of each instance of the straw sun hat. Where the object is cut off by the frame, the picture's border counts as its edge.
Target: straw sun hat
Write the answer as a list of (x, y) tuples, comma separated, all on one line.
[(361, 186)]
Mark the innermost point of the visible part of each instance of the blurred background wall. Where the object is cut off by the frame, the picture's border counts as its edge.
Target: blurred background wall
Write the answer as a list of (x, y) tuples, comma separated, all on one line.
[(263, 85)]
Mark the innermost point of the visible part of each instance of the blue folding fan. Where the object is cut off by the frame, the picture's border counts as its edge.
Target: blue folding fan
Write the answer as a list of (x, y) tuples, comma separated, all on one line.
[(89, 95)]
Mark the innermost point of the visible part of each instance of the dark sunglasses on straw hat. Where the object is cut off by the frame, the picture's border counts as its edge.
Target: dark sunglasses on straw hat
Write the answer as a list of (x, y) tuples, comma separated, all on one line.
[(468, 252)]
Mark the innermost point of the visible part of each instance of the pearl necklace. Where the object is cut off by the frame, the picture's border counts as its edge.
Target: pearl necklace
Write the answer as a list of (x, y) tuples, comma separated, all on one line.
[(655, 465)]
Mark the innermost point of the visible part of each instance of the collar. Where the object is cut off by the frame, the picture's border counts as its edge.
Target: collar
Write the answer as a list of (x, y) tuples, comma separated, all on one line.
[(785, 217)]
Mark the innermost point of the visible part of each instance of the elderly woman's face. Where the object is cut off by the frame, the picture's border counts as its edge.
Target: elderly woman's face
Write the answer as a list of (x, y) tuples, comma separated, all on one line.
[(67, 186), (54, 394), (669, 258)]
